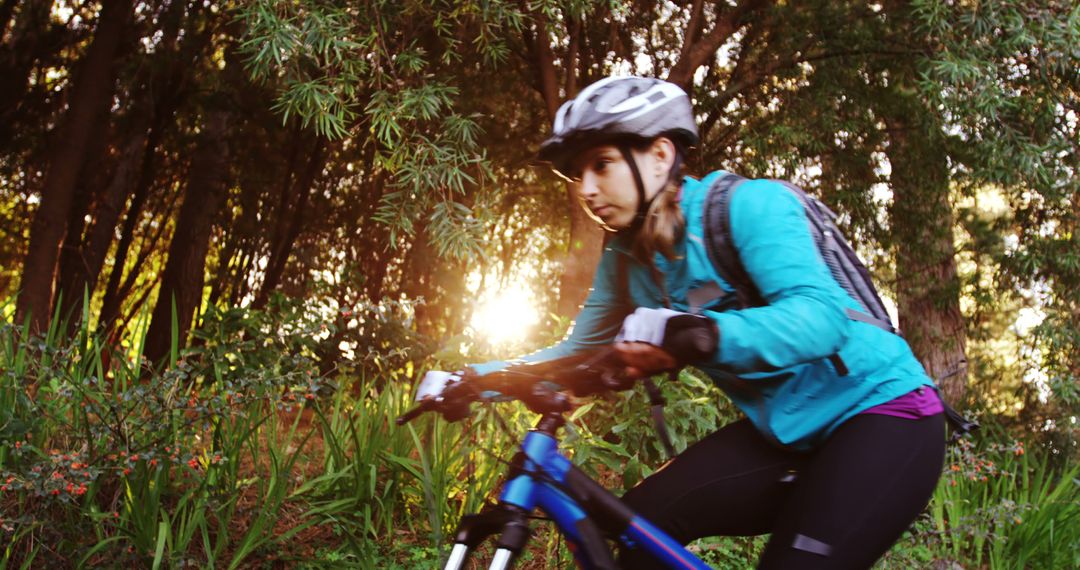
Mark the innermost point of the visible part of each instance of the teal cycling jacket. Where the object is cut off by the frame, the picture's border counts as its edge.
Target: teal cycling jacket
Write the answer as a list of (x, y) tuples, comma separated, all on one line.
[(772, 361)]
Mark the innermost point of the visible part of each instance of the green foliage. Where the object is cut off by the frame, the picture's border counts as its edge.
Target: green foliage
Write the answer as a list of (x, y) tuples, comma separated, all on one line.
[(346, 71), (998, 504), (617, 435), (292, 41), (202, 462), (230, 343), (198, 463), (109, 465), (1005, 79), (729, 553)]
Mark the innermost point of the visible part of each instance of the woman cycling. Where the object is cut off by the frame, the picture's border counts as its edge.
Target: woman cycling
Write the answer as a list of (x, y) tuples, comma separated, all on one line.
[(843, 440)]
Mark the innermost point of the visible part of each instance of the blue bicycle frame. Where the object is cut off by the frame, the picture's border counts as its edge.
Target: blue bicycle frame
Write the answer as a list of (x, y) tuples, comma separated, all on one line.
[(584, 512)]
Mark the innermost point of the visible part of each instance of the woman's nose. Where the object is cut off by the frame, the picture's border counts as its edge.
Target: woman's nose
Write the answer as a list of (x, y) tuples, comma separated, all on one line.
[(587, 187)]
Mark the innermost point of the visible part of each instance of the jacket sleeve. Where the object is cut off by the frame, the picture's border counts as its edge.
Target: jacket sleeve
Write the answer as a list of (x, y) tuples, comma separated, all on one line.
[(595, 325), (804, 319)]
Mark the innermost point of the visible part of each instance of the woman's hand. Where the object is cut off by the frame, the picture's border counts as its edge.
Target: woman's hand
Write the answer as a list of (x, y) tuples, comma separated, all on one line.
[(658, 339), (643, 359)]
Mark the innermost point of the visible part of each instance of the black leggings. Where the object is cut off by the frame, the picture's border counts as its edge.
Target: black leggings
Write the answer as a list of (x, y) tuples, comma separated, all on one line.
[(841, 506)]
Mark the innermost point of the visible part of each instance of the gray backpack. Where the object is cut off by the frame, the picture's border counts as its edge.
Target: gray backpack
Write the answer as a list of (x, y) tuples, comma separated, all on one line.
[(845, 266)]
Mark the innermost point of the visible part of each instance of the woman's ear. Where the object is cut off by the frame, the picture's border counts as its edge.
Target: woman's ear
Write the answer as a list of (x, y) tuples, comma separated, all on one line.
[(663, 154)]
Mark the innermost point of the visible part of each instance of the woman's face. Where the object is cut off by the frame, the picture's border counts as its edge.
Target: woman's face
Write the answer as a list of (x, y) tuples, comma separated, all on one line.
[(605, 184)]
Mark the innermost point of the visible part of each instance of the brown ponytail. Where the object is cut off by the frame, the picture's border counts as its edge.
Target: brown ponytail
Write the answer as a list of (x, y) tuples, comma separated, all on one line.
[(664, 224)]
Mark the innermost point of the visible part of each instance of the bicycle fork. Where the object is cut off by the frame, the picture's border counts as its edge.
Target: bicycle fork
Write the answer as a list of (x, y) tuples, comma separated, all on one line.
[(512, 524)]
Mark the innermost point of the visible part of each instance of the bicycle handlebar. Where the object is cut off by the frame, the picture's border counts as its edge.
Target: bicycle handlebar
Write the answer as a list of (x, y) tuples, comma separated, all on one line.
[(584, 374), (527, 383)]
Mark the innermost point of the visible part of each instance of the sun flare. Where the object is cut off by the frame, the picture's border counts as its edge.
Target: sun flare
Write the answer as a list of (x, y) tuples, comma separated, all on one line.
[(505, 316)]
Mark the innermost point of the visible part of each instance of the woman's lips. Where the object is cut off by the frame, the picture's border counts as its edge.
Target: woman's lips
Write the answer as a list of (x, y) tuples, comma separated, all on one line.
[(601, 210)]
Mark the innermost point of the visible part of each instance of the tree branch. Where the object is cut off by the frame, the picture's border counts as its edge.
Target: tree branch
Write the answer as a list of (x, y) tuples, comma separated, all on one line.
[(693, 28), (698, 52), (574, 29), (543, 61)]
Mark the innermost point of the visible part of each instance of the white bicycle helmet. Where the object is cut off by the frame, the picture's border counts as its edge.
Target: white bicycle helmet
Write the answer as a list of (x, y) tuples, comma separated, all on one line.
[(620, 107)]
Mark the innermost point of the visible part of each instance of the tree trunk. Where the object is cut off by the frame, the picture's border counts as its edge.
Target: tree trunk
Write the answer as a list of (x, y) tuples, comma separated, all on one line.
[(374, 251), (99, 237), (110, 307), (282, 249), (163, 102), (921, 222), (89, 192), (90, 93), (928, 289), (416, 280), (160, 95), (182, 279)]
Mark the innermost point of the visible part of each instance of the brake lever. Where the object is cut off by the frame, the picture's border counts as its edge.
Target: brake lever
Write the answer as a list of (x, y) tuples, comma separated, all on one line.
[(617, 381), (424, 406), (602, 372), (451, 400)]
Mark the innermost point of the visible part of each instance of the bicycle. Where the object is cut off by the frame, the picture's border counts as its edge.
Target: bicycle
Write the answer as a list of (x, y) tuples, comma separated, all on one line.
[(540, 477)]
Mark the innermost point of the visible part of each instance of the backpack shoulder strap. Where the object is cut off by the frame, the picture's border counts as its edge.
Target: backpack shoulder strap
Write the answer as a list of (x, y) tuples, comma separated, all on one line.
[(719, 243), (844, 264)]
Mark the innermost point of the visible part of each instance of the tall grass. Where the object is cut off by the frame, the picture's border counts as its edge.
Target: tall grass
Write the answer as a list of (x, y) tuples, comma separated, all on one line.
[(429, 468), (999, 505), (107, 459), (226, 456)]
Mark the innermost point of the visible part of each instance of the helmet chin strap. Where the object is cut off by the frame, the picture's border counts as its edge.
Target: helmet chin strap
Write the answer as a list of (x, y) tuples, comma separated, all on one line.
[(643, 203)]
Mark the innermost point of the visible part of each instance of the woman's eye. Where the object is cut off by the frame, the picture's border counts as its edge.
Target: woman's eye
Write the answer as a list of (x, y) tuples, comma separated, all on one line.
[(600, 164)]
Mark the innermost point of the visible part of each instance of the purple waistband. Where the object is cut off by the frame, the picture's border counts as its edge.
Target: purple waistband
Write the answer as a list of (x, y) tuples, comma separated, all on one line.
[(919, 403)]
